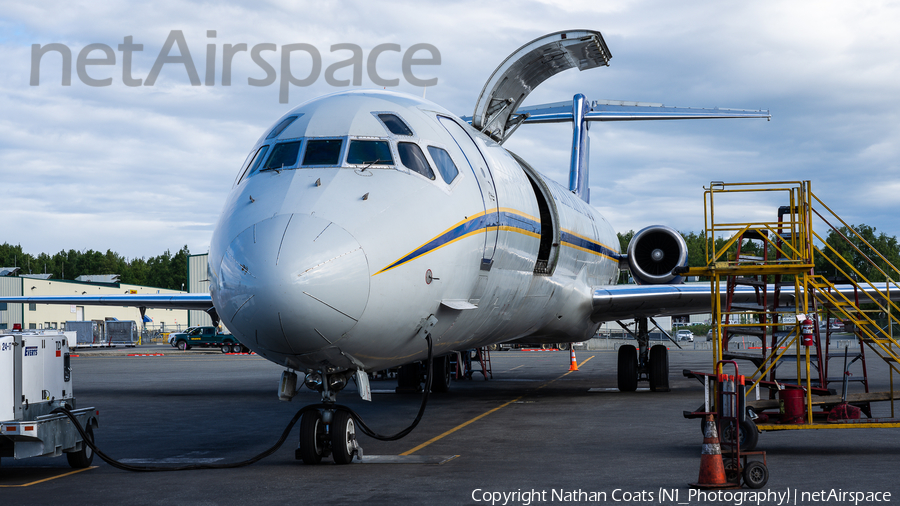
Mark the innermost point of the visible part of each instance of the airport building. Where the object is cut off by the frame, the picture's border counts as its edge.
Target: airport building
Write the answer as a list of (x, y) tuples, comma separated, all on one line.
[(50, 316), (198, 282)]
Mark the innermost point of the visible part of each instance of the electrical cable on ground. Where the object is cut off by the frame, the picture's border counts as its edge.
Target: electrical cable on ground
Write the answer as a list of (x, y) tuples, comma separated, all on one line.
[(365, 429)]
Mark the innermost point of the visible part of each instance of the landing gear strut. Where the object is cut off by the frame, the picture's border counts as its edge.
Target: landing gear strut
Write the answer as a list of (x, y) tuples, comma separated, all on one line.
[(644, 363)]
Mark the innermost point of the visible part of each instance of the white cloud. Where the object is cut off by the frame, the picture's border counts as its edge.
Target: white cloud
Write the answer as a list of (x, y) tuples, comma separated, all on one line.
[(142, 169)]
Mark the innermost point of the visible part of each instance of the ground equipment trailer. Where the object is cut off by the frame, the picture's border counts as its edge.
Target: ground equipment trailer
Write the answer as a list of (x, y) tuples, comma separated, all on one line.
[(35, 379)]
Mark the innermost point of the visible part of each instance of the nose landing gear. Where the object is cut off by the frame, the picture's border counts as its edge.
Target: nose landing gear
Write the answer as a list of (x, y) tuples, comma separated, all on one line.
[(327, 431), (330, 429)]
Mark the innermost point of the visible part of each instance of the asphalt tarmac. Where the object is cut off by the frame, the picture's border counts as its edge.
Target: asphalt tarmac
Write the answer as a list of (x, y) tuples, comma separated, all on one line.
[(534, 434)]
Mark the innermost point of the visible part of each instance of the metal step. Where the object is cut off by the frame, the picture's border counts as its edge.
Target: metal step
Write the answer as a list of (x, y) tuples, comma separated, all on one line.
[(755, 234), (840, 379), (793, 358), (755, 356), (749, 282), (747, 307), (747, 331)]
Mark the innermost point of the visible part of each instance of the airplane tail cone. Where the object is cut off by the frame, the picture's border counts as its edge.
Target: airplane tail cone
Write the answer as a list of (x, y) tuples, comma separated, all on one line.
[(574, 363), (712, 468)]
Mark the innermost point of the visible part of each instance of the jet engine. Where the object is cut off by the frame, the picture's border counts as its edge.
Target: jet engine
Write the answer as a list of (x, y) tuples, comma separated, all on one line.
[(654, 253)]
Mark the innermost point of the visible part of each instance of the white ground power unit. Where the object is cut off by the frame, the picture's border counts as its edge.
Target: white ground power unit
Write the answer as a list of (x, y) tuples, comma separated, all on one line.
[(35, 379)]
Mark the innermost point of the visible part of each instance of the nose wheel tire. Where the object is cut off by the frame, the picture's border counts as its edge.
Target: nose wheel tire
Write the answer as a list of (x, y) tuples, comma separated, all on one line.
[(312, 438), (627, 368), (343, 438)]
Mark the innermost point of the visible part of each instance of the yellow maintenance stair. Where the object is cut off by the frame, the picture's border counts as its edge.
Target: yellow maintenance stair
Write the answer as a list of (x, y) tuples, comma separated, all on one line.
[(773, 309)]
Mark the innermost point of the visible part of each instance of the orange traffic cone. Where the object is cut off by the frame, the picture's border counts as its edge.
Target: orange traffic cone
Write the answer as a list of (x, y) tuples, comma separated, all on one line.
[(712, 469), (574, 364)]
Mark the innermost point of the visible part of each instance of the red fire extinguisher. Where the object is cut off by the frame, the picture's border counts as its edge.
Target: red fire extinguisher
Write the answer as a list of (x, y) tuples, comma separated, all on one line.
[(806, 332)]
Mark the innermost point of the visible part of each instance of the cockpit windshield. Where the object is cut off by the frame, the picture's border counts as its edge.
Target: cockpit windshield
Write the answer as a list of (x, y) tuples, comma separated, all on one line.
[(323, 152), (365, 152), (284, 155), (328, 152)]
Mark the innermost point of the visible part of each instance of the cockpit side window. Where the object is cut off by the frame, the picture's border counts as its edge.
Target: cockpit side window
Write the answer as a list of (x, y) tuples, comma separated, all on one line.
[(444, 163), (412, 157), (286, 122), (284, 155), (323, 152), (396, 125), (369, 153), (244, 167), (255, 161)]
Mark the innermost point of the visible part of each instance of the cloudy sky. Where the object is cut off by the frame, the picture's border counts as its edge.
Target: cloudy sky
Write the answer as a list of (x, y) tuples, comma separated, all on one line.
[(141, 169)]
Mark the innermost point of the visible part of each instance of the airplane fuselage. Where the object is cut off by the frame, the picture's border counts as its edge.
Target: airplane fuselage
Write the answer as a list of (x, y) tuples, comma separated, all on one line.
[(346, 230)]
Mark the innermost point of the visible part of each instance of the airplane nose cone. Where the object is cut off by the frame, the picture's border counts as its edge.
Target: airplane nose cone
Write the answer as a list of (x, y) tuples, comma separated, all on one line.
[(294, 284)]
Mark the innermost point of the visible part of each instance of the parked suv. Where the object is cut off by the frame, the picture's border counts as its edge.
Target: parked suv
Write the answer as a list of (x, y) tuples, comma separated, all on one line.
[(684, 335), (205, 337)]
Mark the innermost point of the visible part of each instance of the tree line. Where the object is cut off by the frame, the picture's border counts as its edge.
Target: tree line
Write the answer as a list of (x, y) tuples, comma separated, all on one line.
[(162, 271), (170, 270)]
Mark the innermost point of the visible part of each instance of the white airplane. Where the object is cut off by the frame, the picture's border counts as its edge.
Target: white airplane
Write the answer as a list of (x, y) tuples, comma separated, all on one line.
[(364, 221)]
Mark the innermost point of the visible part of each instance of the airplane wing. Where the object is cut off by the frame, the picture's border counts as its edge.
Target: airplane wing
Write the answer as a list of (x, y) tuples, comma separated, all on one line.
[(616, 302), (190, 301)]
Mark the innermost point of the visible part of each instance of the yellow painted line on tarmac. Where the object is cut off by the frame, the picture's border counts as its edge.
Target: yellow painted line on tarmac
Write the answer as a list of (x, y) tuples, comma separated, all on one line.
[(50, 478), (486, 413), (454, 429), (516, 367), (566, 374)]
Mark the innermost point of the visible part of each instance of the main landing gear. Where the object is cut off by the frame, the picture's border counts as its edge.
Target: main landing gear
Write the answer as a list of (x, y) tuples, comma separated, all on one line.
[(643, 363), (411, 376)]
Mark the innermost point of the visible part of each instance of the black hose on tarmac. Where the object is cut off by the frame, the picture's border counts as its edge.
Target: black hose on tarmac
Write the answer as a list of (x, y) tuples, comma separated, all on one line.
[(374, 435), (284, 435)]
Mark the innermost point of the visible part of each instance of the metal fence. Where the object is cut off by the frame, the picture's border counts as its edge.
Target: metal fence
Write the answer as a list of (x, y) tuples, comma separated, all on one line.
[(155, 334), (121, 333)]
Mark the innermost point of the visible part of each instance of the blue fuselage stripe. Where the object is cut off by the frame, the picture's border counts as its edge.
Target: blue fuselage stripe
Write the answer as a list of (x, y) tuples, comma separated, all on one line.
[(581, 242), (509, 220)]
